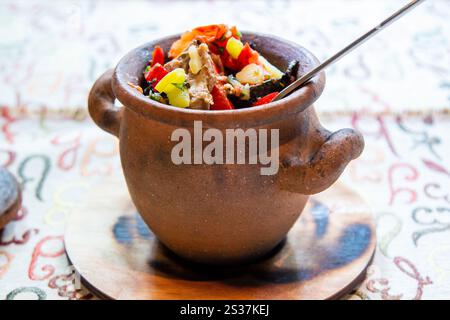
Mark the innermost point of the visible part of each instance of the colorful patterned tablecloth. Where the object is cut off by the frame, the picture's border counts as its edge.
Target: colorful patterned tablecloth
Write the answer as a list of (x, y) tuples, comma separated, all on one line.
[(395, 90)]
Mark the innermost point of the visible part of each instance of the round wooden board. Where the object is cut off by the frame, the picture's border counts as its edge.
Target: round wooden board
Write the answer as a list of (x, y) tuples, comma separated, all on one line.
[(325, 255), (10, 197)]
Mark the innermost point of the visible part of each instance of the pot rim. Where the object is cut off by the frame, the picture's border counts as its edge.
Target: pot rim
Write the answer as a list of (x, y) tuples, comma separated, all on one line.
[(298, 101)]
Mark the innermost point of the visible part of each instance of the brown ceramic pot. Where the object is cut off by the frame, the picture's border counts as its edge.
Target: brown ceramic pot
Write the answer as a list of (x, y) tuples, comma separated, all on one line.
[(221, 214)]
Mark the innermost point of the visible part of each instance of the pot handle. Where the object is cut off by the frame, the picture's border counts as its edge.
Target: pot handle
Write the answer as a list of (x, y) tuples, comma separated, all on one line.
[(101, 104), (328, 155)]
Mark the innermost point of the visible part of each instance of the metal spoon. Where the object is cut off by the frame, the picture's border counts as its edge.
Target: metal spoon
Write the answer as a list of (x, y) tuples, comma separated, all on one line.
[(355, 44)]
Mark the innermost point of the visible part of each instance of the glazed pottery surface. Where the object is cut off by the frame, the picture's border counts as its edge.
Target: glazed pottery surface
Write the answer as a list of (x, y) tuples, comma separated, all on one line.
[(230, 213)]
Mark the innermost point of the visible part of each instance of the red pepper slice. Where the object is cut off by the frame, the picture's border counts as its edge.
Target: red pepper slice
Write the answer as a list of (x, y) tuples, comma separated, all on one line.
[(266, 99), (155, 74), (220, 99), (157, 56), (221, 43)]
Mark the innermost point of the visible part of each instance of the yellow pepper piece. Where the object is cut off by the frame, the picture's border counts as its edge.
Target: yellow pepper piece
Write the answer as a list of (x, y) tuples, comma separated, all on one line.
[(234, 47), (177, 76), (179, 98)]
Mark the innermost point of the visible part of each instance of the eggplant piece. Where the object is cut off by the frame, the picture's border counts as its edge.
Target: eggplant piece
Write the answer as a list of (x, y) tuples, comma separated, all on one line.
[(269, 86), (239, 103), (265, 88), (291, 72)]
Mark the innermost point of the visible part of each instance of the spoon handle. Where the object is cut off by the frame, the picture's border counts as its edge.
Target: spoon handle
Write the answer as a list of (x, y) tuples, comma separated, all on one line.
[(352, 46)]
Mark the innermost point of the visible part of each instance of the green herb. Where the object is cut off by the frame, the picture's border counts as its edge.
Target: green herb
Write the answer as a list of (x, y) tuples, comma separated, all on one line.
[(156, 96), (221, 50), (181, 86), (238, 33)]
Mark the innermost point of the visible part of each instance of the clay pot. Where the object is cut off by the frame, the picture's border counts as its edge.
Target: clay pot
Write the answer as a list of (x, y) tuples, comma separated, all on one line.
[(221, 214)]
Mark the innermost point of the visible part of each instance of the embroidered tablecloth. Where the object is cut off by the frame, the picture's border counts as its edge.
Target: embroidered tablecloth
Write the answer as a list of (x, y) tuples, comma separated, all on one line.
[(395, 90)]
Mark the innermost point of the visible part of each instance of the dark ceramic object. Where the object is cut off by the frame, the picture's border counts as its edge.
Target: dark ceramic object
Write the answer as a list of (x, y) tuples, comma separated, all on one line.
[(221, 214), (10, 197)]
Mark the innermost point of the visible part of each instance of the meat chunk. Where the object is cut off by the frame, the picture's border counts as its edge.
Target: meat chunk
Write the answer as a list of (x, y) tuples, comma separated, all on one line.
[(182, 61), (202, 83)]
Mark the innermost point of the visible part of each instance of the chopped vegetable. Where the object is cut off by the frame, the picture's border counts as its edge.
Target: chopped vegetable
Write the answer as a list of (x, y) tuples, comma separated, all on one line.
[(245, 93), (240, 90), (266, 99), (251, 74), (270, 68), (234, 47), (247, 56), (220, 99), (291, 72), (235, 32), (155, 74), (166, 84), (266, 87), (156, 96), (157, 56), (272, 85), (179, 97), (229, 62), (195, 63)]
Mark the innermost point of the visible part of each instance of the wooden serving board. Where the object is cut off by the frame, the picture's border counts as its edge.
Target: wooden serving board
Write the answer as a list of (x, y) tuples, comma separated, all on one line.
[(325, 255)]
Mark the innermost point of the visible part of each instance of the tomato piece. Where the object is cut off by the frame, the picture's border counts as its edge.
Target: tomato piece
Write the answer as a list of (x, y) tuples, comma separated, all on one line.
[(266, 99), (229, 62), (157, 56), (221, 101), (247, 56), (155, 74)]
